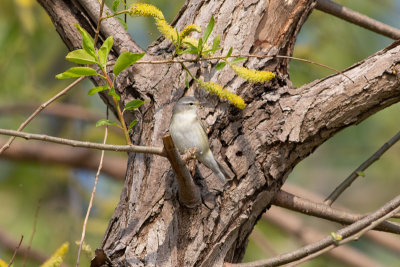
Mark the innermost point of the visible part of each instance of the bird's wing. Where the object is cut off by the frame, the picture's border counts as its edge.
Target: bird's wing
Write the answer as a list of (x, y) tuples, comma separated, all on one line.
[(203, 126)]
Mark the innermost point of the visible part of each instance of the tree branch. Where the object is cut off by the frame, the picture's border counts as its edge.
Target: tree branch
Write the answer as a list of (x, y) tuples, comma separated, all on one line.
[(347, 233), (384, 239), (189, 193), (353, 176), (122, 148), (362, 20), (294, 226), (305, 206), (40, 108)]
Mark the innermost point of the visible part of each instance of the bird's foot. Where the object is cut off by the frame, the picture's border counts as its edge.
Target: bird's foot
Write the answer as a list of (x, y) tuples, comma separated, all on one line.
[(189, 155)]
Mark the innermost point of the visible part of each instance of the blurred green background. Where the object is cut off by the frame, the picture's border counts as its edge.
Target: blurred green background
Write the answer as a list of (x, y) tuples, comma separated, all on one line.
[(31, 54)]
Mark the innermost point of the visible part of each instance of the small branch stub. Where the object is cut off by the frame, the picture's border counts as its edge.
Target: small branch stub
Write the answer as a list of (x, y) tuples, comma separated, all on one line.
[(189, 193)]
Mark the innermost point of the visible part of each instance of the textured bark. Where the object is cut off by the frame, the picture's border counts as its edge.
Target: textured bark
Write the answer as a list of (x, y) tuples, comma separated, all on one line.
[(261, 144)]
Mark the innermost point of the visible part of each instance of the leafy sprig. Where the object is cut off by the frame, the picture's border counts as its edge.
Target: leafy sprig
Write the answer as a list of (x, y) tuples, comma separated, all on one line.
[(99, 57)]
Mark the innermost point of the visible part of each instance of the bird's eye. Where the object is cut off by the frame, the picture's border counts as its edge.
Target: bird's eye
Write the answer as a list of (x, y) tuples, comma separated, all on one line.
[(191, 103)]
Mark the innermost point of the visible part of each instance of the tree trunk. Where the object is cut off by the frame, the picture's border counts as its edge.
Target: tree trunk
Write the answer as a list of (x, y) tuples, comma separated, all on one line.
[(280, 126)]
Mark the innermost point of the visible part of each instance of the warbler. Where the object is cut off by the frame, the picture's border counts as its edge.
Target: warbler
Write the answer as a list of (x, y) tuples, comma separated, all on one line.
[(187, 132)]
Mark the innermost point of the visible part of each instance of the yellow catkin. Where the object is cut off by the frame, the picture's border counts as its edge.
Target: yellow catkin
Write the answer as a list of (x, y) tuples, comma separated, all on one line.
[(3, 263), (166, 29), (254, 76), (163, 27), (57, 258), (146, 10), (224, 93), (188, 29)]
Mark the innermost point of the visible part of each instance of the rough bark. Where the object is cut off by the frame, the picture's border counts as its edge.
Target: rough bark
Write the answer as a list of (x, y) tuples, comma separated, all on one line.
[(261, 144)]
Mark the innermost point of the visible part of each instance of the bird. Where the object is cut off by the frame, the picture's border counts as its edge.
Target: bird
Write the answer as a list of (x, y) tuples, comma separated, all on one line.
[(187, 132)]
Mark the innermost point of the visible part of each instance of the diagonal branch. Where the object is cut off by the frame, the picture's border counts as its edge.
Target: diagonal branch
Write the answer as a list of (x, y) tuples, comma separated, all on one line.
[(306, 234), (347, 233), (353, 176), (359, 19), (305, 206)]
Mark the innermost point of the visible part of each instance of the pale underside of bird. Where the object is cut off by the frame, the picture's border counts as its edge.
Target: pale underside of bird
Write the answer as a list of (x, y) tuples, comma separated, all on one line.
[(188, 133)]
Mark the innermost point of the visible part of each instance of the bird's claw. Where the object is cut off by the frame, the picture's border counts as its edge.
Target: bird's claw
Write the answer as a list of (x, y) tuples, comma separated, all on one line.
[(189, 155)]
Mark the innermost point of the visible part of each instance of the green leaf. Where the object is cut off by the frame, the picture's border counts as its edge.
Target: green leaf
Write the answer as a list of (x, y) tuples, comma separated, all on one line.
[(97, 89), (125, 60), (192, 50), (208, 30), (220, 65), (123, 23), (77, 72), (229, 52), (103, 122), (115, 5), (216, 41), (87, 41), (134, 104), (80, 56), (238, 59), (361, 173), (114, 94), (133, 123), (105, 50), (200, 46)]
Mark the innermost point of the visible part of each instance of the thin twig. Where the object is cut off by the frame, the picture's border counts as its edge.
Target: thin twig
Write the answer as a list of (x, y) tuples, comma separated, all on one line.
[(362, 20), (96, 35), (353, 176), (22, 126), (122, 148), (15, 251), (353, 237), (295, 227), (351, 231), (180, 61), (91, 198), (32, 234), (8, 242), (289, 201)]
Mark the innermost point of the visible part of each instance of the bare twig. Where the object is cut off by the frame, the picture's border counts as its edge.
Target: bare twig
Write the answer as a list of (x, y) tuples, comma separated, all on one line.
[(347, 233), (387, 240), (44, 105), (362, 20), (352, 237), (123, 148), (305, 206), (15, 251), (353, 176), (180, 61), (306, 234), (9, 243), (91, 198), (33, 233), (189, 193)]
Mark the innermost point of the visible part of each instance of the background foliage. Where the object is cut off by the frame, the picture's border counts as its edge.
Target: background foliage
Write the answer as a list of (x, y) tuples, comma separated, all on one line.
[(31, 54)]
